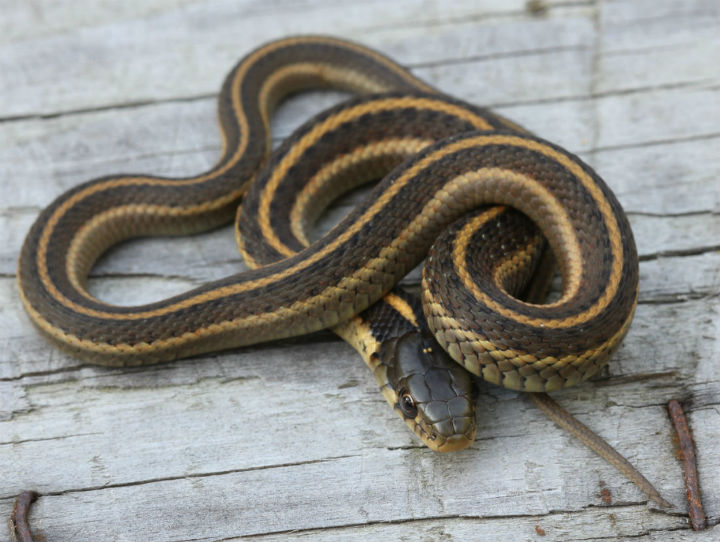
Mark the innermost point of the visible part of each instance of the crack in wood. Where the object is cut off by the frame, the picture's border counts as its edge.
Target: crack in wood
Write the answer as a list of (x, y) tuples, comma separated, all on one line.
[(629, 379), (682, 85), (44, 439), (193, 475), (455, 517), (540, 51), (617, 25), (681, 253), (658, 142), (699, 212), (137, 104)]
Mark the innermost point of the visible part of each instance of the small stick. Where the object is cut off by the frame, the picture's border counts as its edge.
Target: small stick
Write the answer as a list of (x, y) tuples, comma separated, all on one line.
[(18, 523), (583, 433), (686, 449)]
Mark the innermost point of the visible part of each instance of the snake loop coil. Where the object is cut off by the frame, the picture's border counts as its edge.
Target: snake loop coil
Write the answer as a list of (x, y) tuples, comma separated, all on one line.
[(439, 159)]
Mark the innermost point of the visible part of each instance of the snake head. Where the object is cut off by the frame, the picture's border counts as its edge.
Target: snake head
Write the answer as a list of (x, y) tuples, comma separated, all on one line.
[(434, 395)]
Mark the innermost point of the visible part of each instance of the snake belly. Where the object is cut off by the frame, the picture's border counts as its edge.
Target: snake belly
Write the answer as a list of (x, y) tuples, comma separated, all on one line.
[(487, 330)]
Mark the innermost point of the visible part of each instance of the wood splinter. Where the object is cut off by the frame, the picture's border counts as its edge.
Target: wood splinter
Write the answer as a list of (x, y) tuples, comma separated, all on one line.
[(18, 523), (686, 454)]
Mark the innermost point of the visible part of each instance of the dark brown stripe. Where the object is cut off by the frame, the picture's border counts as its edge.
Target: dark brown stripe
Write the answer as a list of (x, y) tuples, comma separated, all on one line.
[(411, 122)]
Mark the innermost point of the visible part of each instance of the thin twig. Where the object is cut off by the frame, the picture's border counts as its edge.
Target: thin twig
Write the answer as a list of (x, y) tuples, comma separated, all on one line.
[(18, 523), (583, 433), (686, 454)]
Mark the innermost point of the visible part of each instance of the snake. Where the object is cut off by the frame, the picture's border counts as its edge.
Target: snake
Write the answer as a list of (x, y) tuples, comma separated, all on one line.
[(492, 208)]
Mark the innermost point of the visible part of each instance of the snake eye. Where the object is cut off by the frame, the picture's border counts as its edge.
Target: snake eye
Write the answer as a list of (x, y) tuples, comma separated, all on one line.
[(407, 405)]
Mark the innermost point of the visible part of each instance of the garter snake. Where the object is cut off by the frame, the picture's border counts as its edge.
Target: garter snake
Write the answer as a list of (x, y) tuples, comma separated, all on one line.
[(440, 159)]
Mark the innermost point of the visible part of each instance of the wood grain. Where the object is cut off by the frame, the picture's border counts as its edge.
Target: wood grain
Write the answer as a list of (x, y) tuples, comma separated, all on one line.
[(292, 441)]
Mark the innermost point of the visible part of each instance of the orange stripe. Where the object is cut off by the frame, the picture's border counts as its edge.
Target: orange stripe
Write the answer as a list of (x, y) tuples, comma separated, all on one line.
[(332, 123)]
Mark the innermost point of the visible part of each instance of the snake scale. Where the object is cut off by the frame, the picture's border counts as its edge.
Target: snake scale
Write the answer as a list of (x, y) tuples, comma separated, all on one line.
[(458, 185)]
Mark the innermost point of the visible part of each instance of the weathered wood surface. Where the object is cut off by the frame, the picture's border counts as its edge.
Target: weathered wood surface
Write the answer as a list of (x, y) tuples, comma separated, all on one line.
[(292, 440)]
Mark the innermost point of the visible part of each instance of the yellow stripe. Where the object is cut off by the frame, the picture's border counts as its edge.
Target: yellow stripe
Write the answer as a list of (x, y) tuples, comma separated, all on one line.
[(332, 123), (99, 221), (239, 111), (211, 295), (398, 243), (240, 242), (518, 357), (403, 307), (571, 255), (315, 73), (401, 146)]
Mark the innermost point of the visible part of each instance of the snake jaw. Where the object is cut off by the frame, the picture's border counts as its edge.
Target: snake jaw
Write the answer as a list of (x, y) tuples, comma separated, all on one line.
[(454, 430), (455, 443), (447, 426), (433, 394)]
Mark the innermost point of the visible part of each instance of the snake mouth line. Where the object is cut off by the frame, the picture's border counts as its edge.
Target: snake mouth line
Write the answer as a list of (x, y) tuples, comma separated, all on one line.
[(437, 442)]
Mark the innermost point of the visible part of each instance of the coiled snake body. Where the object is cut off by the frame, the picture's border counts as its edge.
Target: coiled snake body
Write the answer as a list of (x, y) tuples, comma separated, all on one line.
[(440, 158)]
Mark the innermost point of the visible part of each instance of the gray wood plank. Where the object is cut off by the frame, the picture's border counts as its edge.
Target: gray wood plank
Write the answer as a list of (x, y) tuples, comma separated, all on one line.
[(292, 440)]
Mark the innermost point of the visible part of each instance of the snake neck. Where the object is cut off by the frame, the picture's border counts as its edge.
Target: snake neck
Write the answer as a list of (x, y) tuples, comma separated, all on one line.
[(433, 395)]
